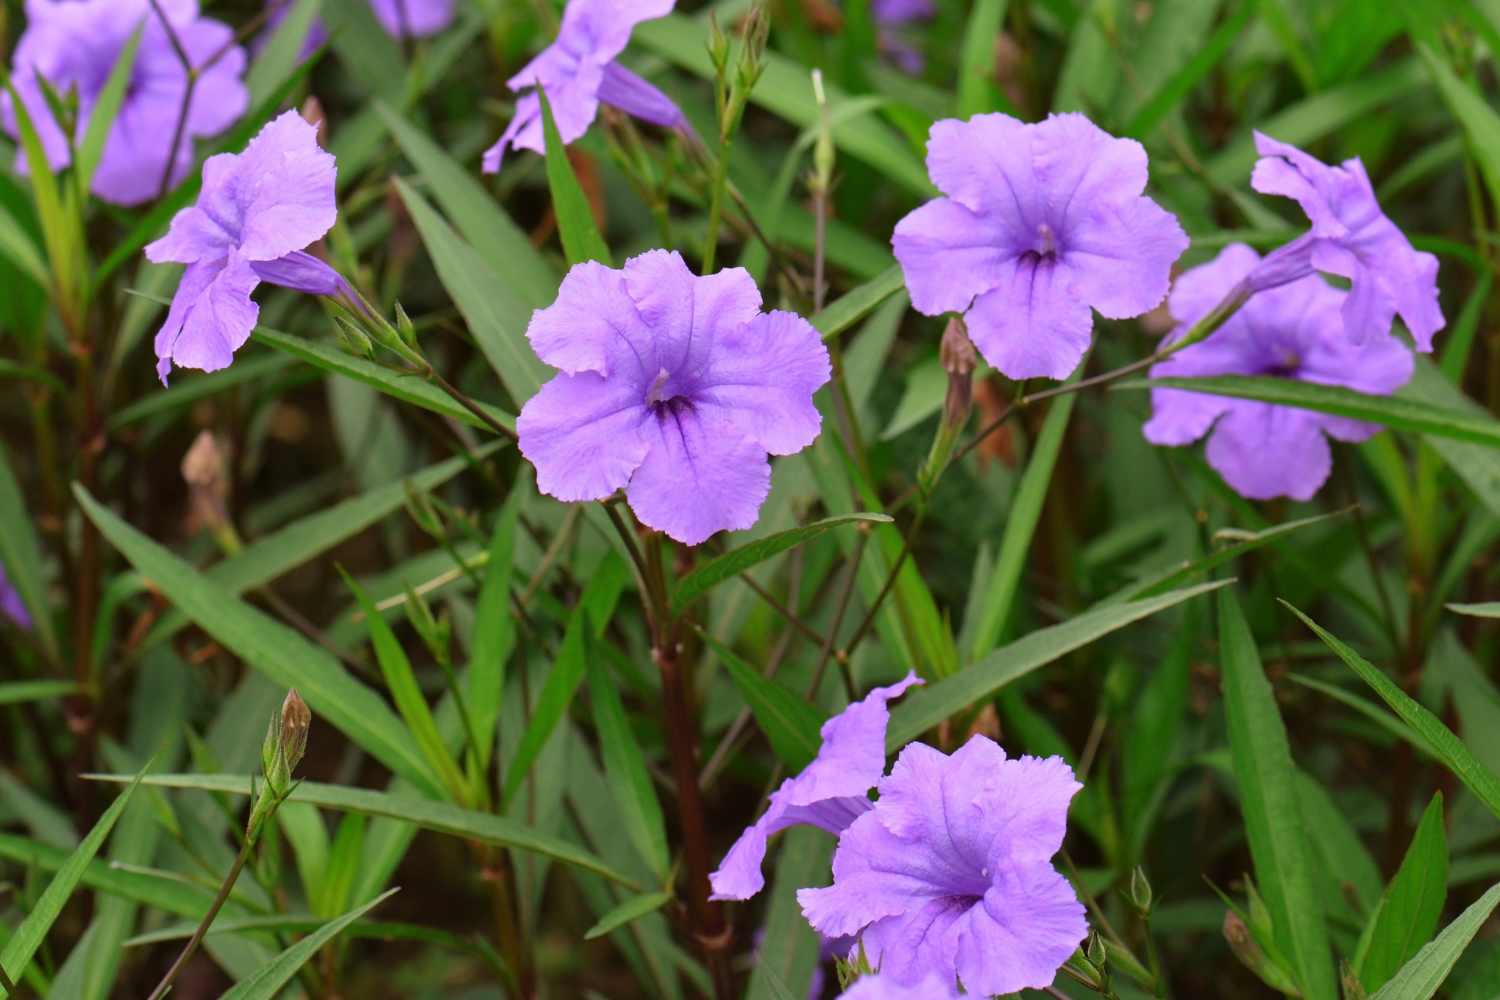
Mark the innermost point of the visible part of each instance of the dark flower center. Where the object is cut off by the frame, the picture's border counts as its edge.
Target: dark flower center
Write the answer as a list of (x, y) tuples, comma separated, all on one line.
[(664, 398), (1286, 364)]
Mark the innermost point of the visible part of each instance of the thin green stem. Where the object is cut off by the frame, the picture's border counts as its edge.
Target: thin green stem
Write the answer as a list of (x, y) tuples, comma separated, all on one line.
[(718, 183)]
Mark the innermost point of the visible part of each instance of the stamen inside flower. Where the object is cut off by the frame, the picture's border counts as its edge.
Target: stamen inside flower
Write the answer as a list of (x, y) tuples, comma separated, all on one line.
[(1046, 241), (654, 396), (1286, 364)]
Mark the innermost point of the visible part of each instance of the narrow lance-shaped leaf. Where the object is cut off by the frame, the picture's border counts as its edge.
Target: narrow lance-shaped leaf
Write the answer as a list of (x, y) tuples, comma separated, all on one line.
[(106, 108), (625, 764), (1268, 800), (267, 983), (632, 909), (581, 238), (1411, 906), (1420, 978), (736, 561), (790, 723)]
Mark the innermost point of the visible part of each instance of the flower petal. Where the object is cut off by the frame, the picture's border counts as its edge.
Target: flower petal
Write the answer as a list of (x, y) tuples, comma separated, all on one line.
[(586, 435), (1033, 323), (1121, 258), (284, 186), (763, 376), (414, 18), (700, 476), (211, 317), (1266, 451), (620, 88), (1081, 167), (689, 314), (301, 272), (1023, 931), (986, 165), (593, 326), (949, 254)]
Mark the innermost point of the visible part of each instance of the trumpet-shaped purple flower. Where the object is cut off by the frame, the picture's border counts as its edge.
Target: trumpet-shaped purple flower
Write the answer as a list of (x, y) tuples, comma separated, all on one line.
[(257, 212), (400, 18), (1293, 330), (950, 874), (1039, 224), (879, 987), (1352, 238), (579, 72), (11, 605), (74, 45), (830, 793), (673, 386)]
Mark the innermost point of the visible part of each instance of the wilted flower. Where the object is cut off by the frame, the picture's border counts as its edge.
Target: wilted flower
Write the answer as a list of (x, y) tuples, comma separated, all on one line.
[(1040, 223), (879, 987), (673, 386), (74, 46), (11, 605), (579, 72), (255, 214), (1293, 331), (950, 874), (1350, 237), (830, 793)]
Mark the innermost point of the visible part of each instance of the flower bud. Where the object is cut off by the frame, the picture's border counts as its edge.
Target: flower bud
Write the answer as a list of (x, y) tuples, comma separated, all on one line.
[(1245, 948), (1140, 889), (203, 469), (956, 354), (296, 721)]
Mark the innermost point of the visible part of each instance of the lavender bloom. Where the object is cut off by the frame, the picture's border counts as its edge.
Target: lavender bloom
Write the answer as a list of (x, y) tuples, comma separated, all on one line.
[(1293, 330), (74, 45), (400, 18), (887, 988), (830, 793), (1039, 223), (673, 386), (579, 71), (949, 875), (10, 603), (892, 16), (255, 214), (1352, 238)]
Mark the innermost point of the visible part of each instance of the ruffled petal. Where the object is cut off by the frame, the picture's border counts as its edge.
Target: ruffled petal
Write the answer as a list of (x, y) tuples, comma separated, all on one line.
[(762, 376), (593, 326), (700, 476), (602, 27), (211, 317), (882, 987), (284, 185), (1034, 323), (1026, 927), (689, 314), (1266, 451), (586, 435), (1083, 168), (1121, 255), (986, 165), (949, 254)]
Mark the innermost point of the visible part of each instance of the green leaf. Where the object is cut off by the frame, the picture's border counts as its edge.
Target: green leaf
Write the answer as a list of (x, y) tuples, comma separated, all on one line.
[(999, 594), (790, 723), (1411, 906), (278, 59), (275, 650), (406, 388), (266, 984), (581, 238), (1206, 55), (1488, 610), (1480, 122), (161, 891), (1391, 411), (1448, 748), (495, 316), (21, 250), (28, 937), (1266, 779), (106, 108), (736, 561), (482, 221), (632, 909), (857, 303), (625, 765), (976, 61), (21, 556), (401, 682), (440, 817), (927, 706), (494, 636), (784, 90), (184, 391), (1474, 464), (1420, 978), (20, 692), (788, 955)]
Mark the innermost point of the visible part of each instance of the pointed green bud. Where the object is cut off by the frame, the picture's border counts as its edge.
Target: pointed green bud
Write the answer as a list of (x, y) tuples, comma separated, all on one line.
[(718, 45), (1140, 889), (1098, 954), (405, 328), (353, 340)]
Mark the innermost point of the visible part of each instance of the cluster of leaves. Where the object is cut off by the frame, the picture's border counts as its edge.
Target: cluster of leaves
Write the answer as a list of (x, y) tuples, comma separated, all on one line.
[(487, 728)]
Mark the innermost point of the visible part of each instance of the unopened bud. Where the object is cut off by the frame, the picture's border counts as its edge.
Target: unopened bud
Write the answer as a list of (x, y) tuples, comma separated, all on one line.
[(203, 469), (1245, 948), (718, 44), (1140, 889), (405, 327), (823, 151), (956, 355), (1098, 954), (752, 52), (296, 721), (353, 340)]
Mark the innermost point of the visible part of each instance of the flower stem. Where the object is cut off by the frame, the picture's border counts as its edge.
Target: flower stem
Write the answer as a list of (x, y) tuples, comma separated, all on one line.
[(720, 180)]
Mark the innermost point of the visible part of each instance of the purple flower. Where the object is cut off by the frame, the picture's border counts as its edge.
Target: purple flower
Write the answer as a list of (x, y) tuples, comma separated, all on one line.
[(1039, 224), (255, 214), (830, 793), (11, 605), (879, 987), (400, 18), (1352, 238), (673, 386), (950, 874), (1293, 330), (579, 71), (74, 45), (891, 16)]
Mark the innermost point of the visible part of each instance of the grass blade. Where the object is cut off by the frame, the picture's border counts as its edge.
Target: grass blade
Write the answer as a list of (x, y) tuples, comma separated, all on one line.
[(1420, 978), (581, 238), (266, 984)]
